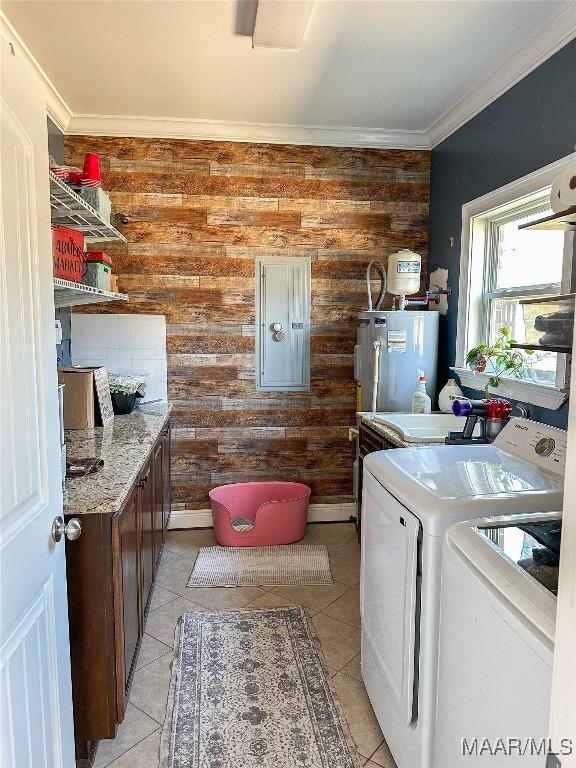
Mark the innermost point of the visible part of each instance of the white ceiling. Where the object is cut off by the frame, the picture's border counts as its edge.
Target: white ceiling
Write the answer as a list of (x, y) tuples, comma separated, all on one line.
[(373, 64)]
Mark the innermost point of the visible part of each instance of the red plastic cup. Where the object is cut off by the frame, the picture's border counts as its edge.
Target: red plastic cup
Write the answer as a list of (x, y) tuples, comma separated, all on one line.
[(91, 168)]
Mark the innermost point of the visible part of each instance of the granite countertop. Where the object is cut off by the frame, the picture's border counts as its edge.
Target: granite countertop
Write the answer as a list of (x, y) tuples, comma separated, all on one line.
[(390, 434), (124, 446)]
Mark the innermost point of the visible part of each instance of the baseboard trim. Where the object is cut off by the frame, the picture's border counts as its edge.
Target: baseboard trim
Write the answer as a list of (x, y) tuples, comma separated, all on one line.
[(317, 513), (331, 513)]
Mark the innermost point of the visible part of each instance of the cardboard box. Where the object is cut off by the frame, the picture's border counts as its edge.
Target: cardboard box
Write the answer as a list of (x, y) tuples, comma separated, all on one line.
[(68, 254), (81, 410)]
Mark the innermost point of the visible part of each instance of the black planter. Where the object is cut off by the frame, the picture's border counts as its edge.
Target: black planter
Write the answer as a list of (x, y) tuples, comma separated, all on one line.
[(122, 403)]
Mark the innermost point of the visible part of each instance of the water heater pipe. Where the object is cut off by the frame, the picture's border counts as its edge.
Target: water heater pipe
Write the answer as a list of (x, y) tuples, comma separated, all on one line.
[(376, 377), (380, 267)]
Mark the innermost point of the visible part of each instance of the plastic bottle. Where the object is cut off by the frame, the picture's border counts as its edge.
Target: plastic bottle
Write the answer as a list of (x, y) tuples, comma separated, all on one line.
[(450, 392), (421, 402)]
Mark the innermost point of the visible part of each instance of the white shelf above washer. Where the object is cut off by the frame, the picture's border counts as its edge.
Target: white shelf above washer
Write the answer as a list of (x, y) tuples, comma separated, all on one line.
[(70, 294), (70, 210)]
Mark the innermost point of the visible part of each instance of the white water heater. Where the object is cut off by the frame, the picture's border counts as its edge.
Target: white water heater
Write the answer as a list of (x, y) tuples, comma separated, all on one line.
[(393, 345), (406, 341)]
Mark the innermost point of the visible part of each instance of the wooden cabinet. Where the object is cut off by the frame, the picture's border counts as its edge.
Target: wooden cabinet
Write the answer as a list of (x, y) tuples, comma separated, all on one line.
[(159, 499), (368, 441), (166, 453), (147, 519), (111, 570), (126, 547)]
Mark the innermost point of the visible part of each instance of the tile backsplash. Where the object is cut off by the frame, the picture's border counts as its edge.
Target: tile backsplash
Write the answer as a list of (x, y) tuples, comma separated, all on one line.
[(124, 344)]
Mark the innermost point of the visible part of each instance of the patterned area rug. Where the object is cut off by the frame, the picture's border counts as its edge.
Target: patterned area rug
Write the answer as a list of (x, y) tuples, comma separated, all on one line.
[(249, 690), (302, 564)]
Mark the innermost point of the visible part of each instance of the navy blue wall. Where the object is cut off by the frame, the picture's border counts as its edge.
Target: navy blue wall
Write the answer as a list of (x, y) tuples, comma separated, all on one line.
[(528, 127)]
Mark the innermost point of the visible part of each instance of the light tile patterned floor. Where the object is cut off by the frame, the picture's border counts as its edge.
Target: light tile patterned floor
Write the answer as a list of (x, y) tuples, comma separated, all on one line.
[(335, 613)]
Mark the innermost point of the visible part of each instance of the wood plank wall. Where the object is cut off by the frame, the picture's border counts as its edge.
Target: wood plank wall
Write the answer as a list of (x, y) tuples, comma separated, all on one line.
[(199, 213)]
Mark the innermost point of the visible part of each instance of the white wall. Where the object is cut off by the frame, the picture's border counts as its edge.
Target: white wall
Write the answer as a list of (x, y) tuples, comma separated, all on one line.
[(124, 344)]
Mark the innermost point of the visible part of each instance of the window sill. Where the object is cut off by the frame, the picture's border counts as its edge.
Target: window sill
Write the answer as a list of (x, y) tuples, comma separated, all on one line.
[(524, 391)]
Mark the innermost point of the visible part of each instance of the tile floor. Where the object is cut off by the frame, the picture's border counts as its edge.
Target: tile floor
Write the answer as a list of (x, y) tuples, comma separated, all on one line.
[(334, 610)]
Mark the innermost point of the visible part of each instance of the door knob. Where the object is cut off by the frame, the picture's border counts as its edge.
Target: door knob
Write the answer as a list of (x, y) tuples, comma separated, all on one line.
[(72, 529)]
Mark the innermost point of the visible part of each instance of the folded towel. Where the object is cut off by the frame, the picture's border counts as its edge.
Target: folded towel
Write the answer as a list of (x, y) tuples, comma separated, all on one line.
[(560, 339), (554, 320)]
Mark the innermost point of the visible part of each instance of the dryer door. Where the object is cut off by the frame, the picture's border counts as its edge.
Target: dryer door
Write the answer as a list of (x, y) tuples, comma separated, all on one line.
[(390, 590)]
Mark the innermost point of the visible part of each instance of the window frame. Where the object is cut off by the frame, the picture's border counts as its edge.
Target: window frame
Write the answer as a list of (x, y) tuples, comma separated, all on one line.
[(479, 219)]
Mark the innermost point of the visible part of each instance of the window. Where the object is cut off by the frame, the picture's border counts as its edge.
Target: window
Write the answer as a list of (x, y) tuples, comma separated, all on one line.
[(521, 264), (503, 264)]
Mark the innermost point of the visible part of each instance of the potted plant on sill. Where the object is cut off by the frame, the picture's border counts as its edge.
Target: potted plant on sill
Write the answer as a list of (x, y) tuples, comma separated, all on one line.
[(502, 357)]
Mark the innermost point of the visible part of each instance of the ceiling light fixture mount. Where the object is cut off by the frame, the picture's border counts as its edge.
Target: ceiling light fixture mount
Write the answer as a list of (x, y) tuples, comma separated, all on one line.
[(281, 24)]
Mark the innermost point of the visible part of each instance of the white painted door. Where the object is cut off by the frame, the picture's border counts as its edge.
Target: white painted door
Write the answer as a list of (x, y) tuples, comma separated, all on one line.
[(36, 727)]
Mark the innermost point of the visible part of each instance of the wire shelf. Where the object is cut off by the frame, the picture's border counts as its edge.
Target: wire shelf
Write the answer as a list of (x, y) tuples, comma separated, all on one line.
[(70, 294), (70, 210)]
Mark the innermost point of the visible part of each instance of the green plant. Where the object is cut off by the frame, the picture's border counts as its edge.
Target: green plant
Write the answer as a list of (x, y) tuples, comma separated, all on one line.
[(503, 358), (126, 385)]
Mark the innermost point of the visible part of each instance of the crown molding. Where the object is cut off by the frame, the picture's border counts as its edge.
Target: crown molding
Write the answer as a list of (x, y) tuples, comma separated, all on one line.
[(57, 109), (223, 130), (558, 30)]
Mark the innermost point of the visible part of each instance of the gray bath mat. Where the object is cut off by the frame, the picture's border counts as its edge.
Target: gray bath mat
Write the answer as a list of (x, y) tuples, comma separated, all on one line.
[(249, 690), (304, 564)]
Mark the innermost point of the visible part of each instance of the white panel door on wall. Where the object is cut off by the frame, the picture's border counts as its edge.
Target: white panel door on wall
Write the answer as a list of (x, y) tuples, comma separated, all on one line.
[(36, 726), (283, 324)]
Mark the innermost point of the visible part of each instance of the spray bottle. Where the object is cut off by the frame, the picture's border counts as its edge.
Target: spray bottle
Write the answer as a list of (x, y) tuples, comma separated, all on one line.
[(421, 402)]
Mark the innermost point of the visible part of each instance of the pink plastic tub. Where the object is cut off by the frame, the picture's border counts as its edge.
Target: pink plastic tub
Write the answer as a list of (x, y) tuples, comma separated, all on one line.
[(259, 514)]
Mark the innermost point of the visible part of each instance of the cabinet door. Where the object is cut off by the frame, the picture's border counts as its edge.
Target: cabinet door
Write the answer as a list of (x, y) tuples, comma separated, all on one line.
[(167, 479), (158, 472), (128, 591), (146, 494)]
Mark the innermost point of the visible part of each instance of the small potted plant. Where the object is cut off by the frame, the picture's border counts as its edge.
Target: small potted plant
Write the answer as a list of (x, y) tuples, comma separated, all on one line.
[(500, 358), (124, 390)]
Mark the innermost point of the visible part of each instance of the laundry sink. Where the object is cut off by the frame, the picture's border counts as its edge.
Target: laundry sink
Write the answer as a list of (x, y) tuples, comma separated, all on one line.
[(422, 427)]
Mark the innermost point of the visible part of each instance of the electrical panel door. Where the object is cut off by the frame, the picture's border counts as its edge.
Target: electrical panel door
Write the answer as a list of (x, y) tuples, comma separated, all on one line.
[(283, 324)]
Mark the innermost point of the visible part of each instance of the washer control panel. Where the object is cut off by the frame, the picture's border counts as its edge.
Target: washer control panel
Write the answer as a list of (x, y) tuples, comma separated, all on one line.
[(541, 444)]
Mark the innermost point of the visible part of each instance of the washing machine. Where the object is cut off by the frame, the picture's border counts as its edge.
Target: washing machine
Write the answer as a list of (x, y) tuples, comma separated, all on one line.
[(497, 623), (410, 498)]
